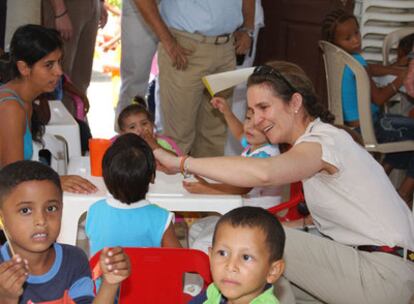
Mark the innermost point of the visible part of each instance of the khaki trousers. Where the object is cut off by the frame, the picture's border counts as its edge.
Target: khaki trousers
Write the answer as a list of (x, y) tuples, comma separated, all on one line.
[(338, 274), (187, 114), (78, 51)]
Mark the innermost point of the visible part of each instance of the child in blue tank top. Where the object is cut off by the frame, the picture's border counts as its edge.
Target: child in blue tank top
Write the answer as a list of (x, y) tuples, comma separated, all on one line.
[(125, 217)]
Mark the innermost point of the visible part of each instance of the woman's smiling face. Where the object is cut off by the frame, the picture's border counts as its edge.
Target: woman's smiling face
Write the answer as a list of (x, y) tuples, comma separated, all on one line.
[(273, 116)]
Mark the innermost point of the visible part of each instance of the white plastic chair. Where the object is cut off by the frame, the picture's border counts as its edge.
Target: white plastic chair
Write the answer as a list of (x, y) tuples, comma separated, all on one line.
[(391, 41), (335, 61), (57, 146)]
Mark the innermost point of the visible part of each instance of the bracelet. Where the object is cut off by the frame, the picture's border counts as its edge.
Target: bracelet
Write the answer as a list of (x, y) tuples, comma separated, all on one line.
[(183, 167), (393, 87), (62, 14)]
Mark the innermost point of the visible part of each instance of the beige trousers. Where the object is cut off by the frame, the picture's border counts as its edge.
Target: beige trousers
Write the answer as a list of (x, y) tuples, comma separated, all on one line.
[(78, 51), (338, 274), (187, 114)]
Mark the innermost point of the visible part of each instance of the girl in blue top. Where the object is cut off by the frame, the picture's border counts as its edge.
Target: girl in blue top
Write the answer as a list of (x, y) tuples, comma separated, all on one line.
[(34, 68), (342, 29)]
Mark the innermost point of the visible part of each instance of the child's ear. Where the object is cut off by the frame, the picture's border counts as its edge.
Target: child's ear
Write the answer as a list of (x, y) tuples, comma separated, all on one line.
[(275, 271), (209, 252), (23, 68)]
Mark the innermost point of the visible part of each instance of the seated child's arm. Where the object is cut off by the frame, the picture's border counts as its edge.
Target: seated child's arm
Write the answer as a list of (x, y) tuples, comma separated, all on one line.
[(382, 70), (380, 96), (234, 124), (169, 239), (13, 274), (204, 187), (116, 268)]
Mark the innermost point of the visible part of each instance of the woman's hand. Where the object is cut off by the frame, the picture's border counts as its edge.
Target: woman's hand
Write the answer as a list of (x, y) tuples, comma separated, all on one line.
[(77, 184), (166, 161)]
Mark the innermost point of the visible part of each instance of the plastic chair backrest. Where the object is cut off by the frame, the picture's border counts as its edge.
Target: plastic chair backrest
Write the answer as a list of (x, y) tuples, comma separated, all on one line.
[(391, 41), (157, 274), (335, 61), (58, 148), (296, 197)]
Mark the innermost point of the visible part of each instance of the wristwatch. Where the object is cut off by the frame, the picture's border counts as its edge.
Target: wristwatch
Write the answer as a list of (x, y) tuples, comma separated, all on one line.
[(248, 31), (410, 55)]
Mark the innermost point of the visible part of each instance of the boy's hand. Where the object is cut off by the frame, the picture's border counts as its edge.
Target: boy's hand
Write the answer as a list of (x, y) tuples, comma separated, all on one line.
[(220, 104), (115, 265), (13, 274)]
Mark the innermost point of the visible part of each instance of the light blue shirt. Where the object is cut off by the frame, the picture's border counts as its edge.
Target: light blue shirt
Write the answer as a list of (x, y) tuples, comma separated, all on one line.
[(206, 17), (349, 94)]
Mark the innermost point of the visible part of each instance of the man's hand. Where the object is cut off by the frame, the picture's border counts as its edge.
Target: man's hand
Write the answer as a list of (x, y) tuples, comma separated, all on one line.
[(177, 54), (64, 27), (242, 42)]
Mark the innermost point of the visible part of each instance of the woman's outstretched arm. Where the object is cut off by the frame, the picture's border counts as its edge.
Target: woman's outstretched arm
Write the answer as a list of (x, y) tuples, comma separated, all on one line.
[(300, 162)]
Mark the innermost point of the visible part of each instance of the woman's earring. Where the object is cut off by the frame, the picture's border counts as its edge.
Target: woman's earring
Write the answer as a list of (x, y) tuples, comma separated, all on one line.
[(296, 111)]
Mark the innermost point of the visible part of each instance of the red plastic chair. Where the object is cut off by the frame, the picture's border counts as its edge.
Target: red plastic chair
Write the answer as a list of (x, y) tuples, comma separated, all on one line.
[(296, 197), (157, 274)]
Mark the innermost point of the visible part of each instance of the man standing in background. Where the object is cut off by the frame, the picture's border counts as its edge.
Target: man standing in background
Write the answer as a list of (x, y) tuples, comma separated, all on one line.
[(77, 21), (197, 38)]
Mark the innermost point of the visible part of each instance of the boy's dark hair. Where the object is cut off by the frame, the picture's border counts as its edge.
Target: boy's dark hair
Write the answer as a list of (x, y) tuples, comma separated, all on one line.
[(128, 167), (22, 171), (255, 217), (331, 21), (133, 109), (406, 44)]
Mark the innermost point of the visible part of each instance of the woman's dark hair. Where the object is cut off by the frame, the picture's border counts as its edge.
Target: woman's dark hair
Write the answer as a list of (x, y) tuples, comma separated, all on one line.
[(331, 21), (128, 167), (284, 79), (133, 109), (30, 43)]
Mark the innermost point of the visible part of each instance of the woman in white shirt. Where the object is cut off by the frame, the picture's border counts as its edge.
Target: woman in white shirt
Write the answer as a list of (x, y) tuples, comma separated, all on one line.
[(368, 227)]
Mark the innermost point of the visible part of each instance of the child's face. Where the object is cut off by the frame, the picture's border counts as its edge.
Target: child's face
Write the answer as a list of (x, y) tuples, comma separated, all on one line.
[(31, 214), (240, 263), (253, 135), (137, 123), (348, 36)]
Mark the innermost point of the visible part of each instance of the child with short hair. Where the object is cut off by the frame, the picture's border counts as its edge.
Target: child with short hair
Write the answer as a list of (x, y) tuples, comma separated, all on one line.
[(135, 118), (255, 144), (342, 29), (34, 268), (246, 258), (126, 218)]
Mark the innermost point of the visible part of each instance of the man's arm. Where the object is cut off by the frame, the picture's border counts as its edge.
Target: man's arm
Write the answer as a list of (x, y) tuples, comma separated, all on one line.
[(151, 14), (62, 21), (243, 36)]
